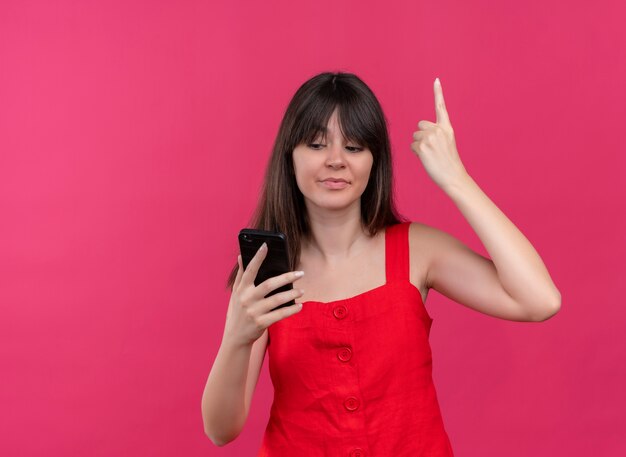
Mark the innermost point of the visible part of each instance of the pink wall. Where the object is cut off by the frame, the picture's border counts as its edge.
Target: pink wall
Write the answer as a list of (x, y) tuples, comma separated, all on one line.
[(133, 136)]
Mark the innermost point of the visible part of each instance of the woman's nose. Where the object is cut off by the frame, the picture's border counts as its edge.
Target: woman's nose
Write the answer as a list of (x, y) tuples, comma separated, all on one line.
[(335, 154)]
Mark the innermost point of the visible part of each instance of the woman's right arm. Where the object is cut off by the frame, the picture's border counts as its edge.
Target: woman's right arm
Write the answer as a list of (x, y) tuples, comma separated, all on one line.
[(229, 389), (233, 377)]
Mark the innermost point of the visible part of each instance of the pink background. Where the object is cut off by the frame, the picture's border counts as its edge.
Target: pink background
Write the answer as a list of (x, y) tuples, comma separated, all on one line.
[(133, 139)]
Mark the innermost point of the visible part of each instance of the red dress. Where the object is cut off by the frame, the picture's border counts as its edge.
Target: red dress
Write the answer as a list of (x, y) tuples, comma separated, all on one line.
[(353, 377)]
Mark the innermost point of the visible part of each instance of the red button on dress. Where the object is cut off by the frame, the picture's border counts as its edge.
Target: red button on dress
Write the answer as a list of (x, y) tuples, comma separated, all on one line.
[(344, 354), (383, 403), (351, 403), (340, 311)]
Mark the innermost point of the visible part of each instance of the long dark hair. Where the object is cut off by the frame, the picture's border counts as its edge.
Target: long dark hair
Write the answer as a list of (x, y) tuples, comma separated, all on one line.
[(361, 119)]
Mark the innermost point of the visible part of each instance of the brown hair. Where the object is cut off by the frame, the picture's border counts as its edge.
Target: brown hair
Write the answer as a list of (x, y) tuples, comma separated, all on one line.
[(361, 119)]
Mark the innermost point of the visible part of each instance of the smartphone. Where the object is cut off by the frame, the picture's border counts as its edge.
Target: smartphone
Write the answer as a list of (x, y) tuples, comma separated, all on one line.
[(276, 260)]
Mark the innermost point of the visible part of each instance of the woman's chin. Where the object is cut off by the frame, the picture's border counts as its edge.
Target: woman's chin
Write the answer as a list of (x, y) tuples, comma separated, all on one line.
[(333, 204)]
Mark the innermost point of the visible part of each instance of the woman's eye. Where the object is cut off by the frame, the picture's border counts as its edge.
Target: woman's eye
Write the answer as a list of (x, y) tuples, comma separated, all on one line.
[(349, 148)]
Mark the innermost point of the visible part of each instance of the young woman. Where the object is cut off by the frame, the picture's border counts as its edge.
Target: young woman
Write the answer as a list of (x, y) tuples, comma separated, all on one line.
[(350, 362)]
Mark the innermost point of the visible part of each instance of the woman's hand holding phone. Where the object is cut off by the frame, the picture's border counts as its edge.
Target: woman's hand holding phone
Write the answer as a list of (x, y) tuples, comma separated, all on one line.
[(249, 313)]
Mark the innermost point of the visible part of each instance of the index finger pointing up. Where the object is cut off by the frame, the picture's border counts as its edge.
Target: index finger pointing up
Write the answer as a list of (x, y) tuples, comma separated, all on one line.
[(440, 104)]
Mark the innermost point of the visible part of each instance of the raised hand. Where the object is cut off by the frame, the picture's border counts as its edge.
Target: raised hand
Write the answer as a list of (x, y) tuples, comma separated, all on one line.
[(434, 144)]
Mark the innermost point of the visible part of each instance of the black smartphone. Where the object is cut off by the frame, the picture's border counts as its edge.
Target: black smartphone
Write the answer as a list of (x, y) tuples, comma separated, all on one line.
[(276, 260)]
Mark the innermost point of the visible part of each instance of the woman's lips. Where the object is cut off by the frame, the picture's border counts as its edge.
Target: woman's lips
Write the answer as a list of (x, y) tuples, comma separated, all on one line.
[(334, 184)]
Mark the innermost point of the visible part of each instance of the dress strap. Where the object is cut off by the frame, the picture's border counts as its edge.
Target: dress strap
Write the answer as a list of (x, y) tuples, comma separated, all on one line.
[(397, 252)]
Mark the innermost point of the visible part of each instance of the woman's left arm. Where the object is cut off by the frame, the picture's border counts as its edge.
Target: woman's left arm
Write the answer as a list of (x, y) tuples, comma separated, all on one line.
[(520, 270)]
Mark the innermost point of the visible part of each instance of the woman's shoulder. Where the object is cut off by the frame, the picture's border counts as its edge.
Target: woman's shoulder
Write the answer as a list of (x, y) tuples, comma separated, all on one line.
[(418, 228), (424, 241), (428, 243), (424, 237)]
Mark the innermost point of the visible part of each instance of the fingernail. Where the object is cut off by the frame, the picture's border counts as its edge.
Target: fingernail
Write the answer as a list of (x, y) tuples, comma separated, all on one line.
[(264, 246), (437, 81), (299, 274)]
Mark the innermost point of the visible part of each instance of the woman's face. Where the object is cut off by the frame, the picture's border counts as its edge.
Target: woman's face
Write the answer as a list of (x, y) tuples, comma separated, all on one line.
[(336, 158)]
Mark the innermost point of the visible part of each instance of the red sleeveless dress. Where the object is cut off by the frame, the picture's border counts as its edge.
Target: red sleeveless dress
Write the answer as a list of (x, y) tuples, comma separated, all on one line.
[(353, 377)]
